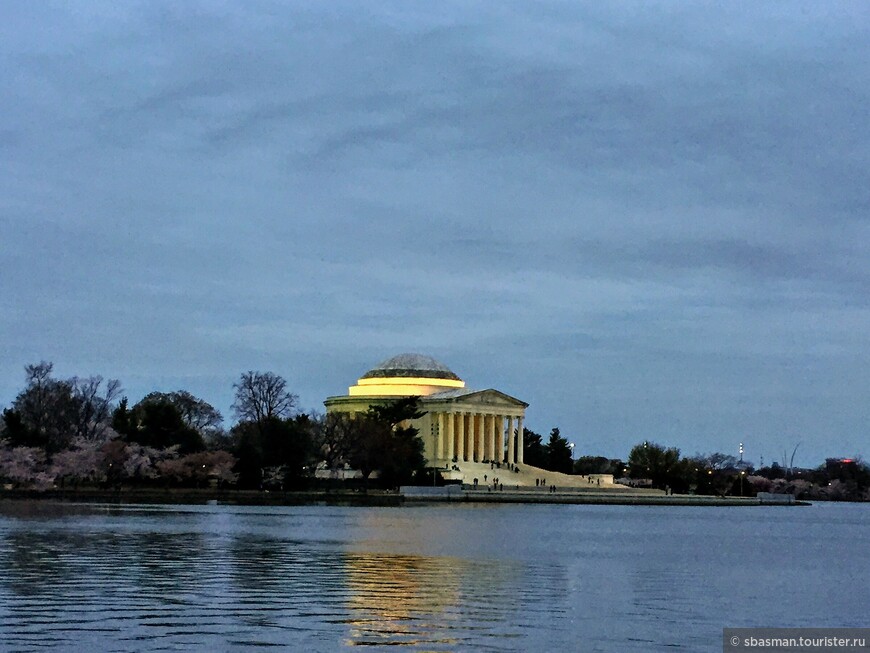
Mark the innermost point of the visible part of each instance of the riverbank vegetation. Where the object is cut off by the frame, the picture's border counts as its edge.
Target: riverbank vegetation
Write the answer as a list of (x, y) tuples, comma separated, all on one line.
[(82, 432), (723, 475), (717, 474)]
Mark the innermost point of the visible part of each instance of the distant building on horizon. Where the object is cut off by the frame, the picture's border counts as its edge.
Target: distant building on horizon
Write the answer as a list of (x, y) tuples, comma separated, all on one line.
[(460, 424)]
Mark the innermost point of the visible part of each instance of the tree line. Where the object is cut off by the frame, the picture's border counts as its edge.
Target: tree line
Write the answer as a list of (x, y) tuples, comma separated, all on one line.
[(725, 475), (653, 465), (83, 432)]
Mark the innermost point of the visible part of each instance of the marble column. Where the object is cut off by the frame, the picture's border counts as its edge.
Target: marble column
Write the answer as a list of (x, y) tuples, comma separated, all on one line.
[(469, 437), (472, 437), (519, 439), (450, 420), (484, 432), (491, 437), (510, 436), (439, 439), (481, 437), (460, 437), (500, 443)]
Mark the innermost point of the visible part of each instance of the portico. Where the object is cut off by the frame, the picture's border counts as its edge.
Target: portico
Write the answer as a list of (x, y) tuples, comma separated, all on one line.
[(472, 425)]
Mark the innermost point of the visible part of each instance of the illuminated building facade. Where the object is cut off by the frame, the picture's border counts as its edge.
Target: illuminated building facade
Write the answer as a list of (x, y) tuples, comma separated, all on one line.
[(460, 424)]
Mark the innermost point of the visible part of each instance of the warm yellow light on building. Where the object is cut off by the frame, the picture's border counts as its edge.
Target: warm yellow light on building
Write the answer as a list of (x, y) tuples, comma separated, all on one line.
[(457, 425), (402, 386)]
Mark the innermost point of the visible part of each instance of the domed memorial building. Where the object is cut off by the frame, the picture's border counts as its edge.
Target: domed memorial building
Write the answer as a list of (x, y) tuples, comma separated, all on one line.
[(460, 424)]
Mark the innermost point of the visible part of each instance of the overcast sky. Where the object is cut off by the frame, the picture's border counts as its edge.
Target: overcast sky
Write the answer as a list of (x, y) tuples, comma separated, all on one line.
[(649, 221)]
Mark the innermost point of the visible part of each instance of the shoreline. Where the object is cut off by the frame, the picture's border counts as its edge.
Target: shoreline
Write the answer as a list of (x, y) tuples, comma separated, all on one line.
[(204, 496), (411, 496), (591, 498)]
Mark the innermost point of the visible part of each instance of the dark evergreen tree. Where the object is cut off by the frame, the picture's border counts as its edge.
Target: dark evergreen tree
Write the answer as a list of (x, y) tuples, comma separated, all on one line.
[(533, 449), (248, 449), (15, 431), (155, 422), (388, 442), (662, 466), (558, 453), (282, 447), (196, 413), (122, 418)]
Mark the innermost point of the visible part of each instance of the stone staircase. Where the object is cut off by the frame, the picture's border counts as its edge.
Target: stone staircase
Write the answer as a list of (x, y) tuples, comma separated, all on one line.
[(526, 475)]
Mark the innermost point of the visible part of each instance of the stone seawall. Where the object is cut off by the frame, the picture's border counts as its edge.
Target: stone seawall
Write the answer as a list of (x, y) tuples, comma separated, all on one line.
[(191, 496), (406, 495), (416, 495)]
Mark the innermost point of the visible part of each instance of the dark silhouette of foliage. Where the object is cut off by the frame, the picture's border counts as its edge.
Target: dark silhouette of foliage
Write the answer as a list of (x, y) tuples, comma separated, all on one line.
[(586, 465), (336, 437), (388, 442), (534, 453), (283, 446), (122, 418), (558, 453), (155, 422), (94, 402), (655, 462), (49, 412), (248, 449), (14, 429), (196, 413)]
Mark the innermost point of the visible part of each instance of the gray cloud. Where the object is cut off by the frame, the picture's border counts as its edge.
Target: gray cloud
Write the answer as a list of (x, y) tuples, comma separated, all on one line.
[(647, 220)]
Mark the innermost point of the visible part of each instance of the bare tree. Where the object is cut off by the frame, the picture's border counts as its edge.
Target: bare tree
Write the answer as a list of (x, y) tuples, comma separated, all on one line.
[(36, 403), (94, 403), (261, 396), (50, 412), (337, 437), (717, 460), (46, 408)]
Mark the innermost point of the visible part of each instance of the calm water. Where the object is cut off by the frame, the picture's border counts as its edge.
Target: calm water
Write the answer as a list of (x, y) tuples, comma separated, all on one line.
[(434, 578)]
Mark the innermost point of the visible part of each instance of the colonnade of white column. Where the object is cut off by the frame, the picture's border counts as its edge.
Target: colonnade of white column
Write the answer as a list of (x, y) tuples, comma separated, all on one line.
[(478, 436)]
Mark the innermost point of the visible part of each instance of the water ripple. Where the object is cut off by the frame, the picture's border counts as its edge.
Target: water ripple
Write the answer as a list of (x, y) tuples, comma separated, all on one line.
[(319, 579)]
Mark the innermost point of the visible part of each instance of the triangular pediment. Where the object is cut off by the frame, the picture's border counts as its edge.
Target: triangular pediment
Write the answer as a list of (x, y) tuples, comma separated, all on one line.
[(490, 397)]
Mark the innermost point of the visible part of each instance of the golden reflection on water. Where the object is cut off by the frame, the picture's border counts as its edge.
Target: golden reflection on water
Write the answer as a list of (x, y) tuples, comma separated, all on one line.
[(401, 599)]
